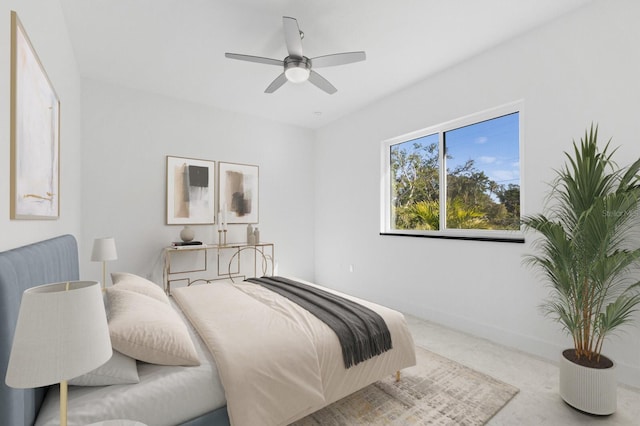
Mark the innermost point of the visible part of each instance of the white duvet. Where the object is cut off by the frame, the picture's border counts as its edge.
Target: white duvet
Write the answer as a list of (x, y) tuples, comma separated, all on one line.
[(278, 362)]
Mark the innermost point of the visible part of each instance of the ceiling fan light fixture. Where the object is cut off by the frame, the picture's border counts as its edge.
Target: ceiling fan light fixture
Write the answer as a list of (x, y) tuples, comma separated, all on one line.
[(297, 74), (297, 70)]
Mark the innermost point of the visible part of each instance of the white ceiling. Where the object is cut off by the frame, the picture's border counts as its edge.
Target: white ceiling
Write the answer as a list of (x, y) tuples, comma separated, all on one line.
[(176, 47)]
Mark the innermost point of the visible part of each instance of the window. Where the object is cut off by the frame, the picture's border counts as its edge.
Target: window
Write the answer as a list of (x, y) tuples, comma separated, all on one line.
[(460, 179)]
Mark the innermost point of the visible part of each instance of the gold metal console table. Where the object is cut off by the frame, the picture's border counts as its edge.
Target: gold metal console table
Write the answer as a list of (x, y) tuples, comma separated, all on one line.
[(263, 262)]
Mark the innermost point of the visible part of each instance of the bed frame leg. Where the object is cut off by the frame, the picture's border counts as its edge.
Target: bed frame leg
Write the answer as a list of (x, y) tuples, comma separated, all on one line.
[(398, 376)]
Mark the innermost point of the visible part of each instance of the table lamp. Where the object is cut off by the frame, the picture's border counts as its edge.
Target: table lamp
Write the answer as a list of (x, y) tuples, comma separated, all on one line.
[(104, 249), (61, 333)]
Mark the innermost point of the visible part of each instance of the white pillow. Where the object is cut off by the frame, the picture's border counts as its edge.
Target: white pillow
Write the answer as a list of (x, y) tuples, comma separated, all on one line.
[(148, 330), (119, 370), (127, 281)]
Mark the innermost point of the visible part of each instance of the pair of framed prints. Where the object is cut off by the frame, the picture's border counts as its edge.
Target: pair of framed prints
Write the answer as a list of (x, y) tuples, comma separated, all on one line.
[(193, 188)]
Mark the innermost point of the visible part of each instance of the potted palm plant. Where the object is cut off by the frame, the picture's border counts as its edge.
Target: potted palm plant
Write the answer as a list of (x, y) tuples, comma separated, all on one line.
[(588, 253)]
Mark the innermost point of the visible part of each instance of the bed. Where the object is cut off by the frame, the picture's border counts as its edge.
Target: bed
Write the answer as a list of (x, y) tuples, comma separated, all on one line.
[(202, 394)]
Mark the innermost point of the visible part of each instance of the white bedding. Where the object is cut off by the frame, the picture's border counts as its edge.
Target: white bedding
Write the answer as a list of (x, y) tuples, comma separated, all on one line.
[(170, 395), (275, 352), (152, 401)]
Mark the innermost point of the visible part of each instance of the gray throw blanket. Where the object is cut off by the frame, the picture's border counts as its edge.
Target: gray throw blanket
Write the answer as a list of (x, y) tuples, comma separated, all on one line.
[(362, 333)]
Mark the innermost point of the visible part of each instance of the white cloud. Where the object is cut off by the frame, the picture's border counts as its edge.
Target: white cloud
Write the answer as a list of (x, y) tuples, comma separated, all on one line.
[(481, 139), (506, 176), (486, 159)]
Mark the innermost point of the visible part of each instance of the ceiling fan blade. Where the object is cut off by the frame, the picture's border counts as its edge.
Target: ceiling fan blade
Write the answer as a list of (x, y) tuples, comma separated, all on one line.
[(338, 59), (321, 83), (292, 36), (258, 59), (276, 84)]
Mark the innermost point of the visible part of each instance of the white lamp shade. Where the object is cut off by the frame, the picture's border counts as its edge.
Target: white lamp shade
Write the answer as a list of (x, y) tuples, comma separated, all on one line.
[(60, 334), (104, 249)]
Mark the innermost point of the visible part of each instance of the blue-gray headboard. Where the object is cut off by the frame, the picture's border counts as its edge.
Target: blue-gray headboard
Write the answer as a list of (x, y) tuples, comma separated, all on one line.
[(48, 261)]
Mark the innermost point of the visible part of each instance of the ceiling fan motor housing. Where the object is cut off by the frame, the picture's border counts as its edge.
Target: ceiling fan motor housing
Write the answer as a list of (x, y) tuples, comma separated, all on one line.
[(297, 69)]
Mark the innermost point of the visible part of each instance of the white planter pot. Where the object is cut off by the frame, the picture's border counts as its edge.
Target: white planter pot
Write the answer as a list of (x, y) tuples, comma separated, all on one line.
[(591, 390)]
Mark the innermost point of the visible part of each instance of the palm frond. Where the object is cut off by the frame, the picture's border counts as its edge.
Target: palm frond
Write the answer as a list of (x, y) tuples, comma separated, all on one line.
[(588, 247)]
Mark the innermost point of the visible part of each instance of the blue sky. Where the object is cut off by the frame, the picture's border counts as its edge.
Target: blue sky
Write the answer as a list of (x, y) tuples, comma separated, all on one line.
[(493, 144)]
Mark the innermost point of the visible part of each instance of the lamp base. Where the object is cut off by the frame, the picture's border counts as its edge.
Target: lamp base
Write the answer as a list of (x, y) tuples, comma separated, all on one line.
[(63, 402), (104, 275)]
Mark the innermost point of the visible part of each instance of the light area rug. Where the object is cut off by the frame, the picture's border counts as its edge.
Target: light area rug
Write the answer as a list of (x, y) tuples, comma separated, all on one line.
[(437, 391)]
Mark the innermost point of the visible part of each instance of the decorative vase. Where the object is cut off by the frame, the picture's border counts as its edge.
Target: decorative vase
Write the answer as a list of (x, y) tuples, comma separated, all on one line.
[(187, 234), (592, 390), (249, 234), (256, 236)]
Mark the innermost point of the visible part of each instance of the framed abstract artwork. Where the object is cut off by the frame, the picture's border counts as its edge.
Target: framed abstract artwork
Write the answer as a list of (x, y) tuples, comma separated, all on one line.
[(190, 191), (34, 133), (238, 192)]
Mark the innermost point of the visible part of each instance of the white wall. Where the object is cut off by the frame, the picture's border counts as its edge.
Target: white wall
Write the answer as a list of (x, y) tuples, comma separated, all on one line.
[(127, 136), (581, 68), (46, 28)]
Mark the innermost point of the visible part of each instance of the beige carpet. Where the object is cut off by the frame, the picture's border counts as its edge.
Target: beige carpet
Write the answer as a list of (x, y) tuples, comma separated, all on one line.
[(437, 391)]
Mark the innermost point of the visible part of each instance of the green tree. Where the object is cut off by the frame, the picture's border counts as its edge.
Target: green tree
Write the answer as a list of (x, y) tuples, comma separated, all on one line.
[(462, 216), (468, 184), (510, 197), (472, 198), (415, 174), (422, 215)]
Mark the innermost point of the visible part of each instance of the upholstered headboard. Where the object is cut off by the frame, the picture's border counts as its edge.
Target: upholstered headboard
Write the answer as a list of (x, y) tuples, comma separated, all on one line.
[(48, 261)]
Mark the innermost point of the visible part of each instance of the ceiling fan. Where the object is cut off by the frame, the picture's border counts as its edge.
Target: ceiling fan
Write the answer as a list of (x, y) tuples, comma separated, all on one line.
[(297, 67)]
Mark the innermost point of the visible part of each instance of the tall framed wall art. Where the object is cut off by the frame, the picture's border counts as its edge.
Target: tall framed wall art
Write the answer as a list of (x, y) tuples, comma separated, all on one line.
[(239, 192), (190, 191), (34, 133)]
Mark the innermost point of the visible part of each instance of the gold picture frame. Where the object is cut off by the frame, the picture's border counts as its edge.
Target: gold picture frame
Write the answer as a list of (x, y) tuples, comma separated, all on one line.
[(34, 133)]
